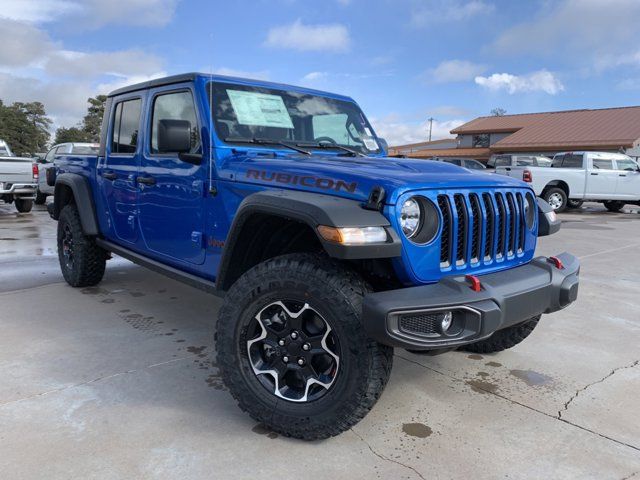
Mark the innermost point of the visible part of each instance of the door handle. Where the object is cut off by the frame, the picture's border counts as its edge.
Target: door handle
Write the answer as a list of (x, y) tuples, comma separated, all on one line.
[(109, 175), (508, 169), (146, 180), (622, 175), (593, 173)]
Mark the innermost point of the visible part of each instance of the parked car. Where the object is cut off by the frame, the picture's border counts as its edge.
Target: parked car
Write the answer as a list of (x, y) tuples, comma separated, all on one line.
[(18, 179), (327, 253), (610, 178), (518, 160), (462, 162), (46, 162)]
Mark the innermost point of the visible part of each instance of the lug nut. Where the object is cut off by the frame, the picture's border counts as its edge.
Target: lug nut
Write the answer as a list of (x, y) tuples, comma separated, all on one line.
[(281, 342), (294, 335), (306, 347), (301, 361), (285, 359)]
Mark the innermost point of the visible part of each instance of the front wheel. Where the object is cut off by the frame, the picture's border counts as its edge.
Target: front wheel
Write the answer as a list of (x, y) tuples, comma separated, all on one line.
[(613, 205), (292, 349), (24, 205), (557, 198), (505, 338), (82, 261)]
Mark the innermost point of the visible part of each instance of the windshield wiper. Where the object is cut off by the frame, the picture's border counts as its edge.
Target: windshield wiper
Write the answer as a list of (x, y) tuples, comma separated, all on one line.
[(351, 151), (266, 141)]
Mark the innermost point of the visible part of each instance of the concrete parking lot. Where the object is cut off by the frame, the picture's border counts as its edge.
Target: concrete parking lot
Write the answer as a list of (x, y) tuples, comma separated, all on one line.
[(120, 381)]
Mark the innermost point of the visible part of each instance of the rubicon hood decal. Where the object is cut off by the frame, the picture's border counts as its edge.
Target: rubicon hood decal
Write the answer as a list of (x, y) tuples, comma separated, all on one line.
[(309, 181)]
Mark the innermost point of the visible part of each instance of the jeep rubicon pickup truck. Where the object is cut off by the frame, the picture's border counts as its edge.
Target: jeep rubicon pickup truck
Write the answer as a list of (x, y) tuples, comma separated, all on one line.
[(327, 253)]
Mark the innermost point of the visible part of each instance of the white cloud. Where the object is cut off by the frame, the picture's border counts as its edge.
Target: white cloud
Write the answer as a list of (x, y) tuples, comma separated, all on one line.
[(454, 71), (540, 81), (298, 36), (577, 31), (232, 72), (398, 132), (436, 11), (22, 44), (314, 76), (121, 63), (37, 11), (91, 13)]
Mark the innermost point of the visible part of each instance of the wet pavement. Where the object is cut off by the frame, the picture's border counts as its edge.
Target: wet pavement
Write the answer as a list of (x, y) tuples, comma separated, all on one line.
[(120, 381)]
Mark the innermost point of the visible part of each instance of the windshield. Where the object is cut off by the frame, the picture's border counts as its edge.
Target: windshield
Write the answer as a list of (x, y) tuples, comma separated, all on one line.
[(246, 113)]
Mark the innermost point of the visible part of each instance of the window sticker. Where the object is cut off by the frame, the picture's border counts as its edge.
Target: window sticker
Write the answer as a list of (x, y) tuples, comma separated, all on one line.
[(261, 109), (370, 143)]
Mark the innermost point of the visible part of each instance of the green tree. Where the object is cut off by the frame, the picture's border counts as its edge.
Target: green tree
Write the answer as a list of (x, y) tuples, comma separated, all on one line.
[(71, 134), (498, 112), (92, 121), (25, 127)]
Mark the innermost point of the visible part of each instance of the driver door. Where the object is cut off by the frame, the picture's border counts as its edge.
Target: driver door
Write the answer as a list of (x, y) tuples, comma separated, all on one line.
[(628, 186)]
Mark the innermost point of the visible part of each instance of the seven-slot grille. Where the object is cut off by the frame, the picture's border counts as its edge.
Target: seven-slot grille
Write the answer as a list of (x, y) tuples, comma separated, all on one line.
[(481, 227)]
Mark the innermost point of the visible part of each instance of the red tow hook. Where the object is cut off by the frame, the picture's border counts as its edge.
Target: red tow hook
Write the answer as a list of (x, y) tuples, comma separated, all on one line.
[(476, 286), (556, 262)]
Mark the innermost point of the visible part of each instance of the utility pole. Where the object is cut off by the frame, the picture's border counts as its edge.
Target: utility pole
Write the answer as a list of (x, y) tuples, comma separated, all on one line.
[(431, 119)]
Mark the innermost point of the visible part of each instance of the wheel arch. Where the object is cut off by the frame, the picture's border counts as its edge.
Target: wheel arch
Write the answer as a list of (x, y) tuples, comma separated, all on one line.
[(276, 222), (557, 184), (74, 188)]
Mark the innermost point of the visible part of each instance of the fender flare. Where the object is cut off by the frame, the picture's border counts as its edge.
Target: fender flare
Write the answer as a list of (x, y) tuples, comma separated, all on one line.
[(312, 209), (81, 191)]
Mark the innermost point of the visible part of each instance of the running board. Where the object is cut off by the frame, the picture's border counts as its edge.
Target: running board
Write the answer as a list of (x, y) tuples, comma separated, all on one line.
[(171, 272)]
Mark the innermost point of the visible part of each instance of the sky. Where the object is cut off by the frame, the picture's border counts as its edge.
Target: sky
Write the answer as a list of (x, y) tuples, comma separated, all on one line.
[(403, 61)]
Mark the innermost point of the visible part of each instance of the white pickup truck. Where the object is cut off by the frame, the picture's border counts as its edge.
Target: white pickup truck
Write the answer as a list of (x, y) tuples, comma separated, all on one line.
[(18, 180), (610, 178)]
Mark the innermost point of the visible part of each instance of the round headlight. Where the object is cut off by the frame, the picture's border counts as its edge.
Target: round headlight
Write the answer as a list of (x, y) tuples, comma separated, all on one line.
[(410, 217), (530, 210)]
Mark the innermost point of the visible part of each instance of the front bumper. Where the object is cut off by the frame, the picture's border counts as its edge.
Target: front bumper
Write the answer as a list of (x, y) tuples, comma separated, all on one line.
[(22, 190), (411, 317)]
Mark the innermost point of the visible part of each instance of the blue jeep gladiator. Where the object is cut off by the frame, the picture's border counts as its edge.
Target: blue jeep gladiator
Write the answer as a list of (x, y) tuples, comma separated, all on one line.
[(328, 254)]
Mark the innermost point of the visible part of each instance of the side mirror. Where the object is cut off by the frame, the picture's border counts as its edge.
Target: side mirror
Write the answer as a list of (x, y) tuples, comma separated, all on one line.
[(174, 136)]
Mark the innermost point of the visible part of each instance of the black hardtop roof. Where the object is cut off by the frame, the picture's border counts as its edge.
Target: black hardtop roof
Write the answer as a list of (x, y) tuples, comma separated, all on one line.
[(189, 77)]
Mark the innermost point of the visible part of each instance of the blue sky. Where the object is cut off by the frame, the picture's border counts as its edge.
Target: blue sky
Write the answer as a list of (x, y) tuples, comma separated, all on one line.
[(403, 60)]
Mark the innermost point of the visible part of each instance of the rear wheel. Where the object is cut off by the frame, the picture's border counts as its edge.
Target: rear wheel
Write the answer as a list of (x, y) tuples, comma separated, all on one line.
[(557, 198), (41, 198), (505, 338), (82, 262), (613, 205), (24, 205), (292, 349)]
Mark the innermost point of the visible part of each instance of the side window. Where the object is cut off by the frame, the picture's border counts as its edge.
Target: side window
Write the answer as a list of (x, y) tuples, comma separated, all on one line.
[(572, 161), (524, 161), (557, 161), (473, 165), (602, 164), (174, 106), (126, 122), (628, 165), (50, 155), (504, 161)]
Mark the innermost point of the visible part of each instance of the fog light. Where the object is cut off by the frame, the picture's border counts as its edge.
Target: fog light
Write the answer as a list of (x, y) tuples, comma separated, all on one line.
[(445, 323)]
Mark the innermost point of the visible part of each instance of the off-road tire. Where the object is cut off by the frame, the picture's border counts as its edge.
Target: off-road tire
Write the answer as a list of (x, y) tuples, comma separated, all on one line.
[(613, 205), (574, 204), (505, 338), (89, 260), (23, 205), (41, 198), (552, 191), (337, 293)]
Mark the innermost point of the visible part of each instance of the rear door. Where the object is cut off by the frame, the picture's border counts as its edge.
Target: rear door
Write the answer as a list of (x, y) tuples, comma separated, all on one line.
[(117, 171), (602, 179), (628, 186), (172, 191)]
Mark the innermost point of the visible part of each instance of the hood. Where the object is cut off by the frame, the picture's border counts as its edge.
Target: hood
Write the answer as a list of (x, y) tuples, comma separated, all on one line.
[(354, 177)]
